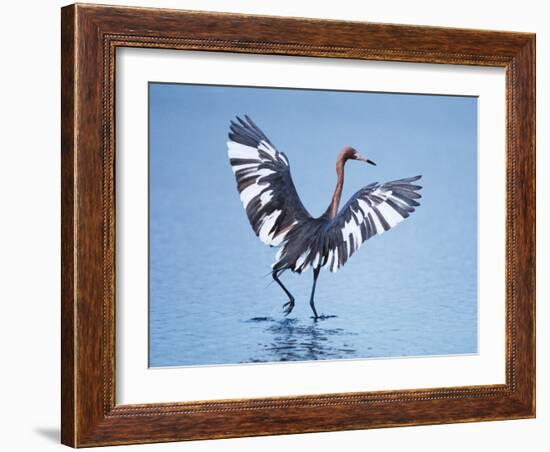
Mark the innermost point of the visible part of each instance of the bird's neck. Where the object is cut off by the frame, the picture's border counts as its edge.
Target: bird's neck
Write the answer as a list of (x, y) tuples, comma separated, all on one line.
[(335, 202)]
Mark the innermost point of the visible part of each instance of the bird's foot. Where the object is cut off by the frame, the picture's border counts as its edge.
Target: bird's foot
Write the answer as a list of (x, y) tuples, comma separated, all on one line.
[(323, 317), (288, 306)]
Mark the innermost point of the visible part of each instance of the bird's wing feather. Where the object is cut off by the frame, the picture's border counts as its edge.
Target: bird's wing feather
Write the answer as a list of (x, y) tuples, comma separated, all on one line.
[(264, 183), (373, 210)]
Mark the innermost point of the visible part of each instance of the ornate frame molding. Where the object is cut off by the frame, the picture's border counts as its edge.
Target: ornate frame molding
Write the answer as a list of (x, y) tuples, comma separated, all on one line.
[(90, 36)]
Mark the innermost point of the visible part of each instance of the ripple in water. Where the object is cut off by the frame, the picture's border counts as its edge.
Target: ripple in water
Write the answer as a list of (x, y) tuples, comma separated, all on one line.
[(294, 340)]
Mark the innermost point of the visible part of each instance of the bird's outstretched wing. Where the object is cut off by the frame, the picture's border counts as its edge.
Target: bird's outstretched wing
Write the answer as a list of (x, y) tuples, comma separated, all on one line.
[(264, 182), (373, 210)]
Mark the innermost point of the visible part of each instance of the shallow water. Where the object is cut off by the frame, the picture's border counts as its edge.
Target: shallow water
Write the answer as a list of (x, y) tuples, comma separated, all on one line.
[(215, 305), (409, 292)]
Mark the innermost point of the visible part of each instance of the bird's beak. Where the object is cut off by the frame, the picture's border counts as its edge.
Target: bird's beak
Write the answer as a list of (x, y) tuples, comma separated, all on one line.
[(364, 159)]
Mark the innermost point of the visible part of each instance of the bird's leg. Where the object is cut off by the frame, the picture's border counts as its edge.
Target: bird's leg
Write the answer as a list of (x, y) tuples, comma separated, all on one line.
[(311, 300), (288, 306)]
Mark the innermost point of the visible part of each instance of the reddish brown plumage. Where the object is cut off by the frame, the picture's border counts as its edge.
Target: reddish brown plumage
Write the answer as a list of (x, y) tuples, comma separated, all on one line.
[(346, 153)]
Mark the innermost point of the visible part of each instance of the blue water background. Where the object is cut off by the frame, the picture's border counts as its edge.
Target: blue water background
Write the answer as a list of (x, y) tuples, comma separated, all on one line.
[(411, 291)]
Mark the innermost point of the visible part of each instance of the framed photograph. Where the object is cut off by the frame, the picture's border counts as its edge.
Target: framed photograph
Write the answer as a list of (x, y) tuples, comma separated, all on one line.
[(281, 225)]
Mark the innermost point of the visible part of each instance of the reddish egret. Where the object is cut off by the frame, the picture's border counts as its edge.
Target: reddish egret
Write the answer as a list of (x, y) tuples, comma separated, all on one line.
[(279, 218)]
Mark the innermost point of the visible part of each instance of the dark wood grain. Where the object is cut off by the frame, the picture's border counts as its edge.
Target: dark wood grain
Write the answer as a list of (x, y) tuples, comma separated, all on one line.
[(68, 310), (90, 36)]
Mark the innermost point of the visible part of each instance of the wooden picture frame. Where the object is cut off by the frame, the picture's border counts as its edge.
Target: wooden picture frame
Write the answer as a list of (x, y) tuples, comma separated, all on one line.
[(90, 36)]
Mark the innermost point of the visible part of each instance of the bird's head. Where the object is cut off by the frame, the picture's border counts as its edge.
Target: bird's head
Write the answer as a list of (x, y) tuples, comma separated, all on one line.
[(349, 153)]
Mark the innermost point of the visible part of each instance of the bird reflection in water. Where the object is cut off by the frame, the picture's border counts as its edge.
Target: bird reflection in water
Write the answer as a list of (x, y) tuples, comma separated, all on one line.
[(293, 340)]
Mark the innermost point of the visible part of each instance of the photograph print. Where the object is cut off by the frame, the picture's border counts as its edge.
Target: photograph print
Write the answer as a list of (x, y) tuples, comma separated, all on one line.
[(294, 224)]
